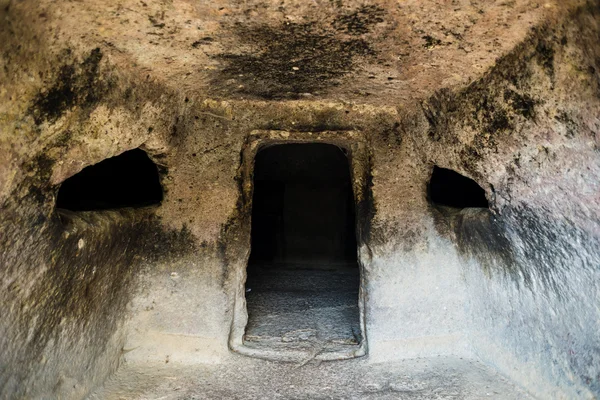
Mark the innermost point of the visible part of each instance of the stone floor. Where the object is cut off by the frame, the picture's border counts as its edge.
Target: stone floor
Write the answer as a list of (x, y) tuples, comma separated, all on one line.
[(307, 308), (247, 378), (303, 307), (318, 309)]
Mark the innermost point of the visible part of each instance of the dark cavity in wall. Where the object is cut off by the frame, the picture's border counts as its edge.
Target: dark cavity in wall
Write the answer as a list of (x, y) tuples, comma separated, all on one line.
[(303, 263), (461, 206), (128, 180), (451, 189)]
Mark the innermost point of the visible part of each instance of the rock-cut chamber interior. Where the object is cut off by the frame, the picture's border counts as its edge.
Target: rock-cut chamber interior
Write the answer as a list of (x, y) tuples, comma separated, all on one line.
[(303, 276)]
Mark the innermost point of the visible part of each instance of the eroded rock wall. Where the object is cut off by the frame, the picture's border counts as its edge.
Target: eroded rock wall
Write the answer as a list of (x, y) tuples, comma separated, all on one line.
[(67, 277), (527, 132)]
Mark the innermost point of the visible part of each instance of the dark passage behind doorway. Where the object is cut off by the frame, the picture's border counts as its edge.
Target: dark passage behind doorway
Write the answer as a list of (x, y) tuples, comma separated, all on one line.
[(303, 277)]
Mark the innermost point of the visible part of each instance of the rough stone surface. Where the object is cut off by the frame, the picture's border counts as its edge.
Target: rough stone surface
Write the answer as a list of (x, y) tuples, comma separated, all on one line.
[(506, 93), (313, 311), (439, 378)]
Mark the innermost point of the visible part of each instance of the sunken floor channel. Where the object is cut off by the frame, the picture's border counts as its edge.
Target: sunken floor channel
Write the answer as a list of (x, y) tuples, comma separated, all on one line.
[(303, 277)]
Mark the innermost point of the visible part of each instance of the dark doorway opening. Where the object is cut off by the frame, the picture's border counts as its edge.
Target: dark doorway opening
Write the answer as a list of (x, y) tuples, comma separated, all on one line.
[(128, 180), (303, 277), (451, 189)]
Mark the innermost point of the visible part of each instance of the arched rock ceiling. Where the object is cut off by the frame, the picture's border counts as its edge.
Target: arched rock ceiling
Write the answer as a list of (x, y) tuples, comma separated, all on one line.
[(387, 52)]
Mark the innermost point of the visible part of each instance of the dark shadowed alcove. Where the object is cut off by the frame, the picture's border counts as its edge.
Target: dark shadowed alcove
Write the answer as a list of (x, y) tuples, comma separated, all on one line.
[(127, 180), (303, 276), (451, 189)]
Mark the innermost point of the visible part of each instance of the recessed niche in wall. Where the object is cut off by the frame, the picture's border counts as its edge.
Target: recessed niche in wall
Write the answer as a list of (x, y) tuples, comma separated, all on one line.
[(451, 189), (127, 180)]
